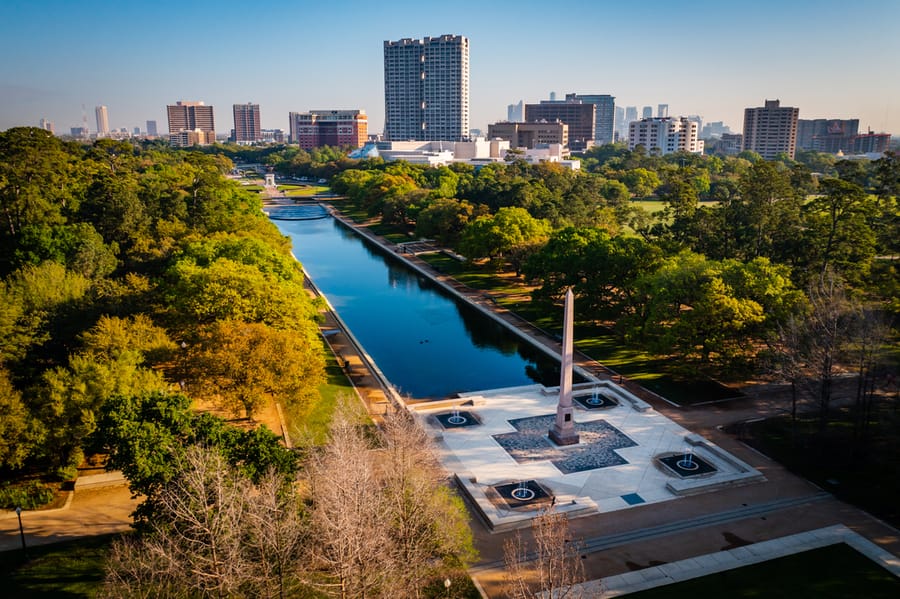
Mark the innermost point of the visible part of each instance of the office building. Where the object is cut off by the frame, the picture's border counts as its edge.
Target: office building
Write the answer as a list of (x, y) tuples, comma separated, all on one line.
[(426, 88), (579, 116), (197, 137), (102, 121), (246, 123), (826, 135), (136, 131), (647, 112), (869, 143), (515, 113), (662, 111), (604, 115), (190, 116), (47, 125), (714, 129), (730, 144), (151, 129), (530, 135), (661, 136), (337, 128), (771, 129), (79, 132)]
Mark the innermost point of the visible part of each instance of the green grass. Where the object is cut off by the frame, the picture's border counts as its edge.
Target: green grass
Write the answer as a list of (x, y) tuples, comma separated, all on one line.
[(655, 205), (64, 570), (833, 572), (866, 474), (311, 423)]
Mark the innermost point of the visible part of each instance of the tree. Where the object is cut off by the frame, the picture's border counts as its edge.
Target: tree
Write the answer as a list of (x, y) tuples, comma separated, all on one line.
[(552, 569), (427, 524), (641, 182), (445, 219), (838, 231), (217, 534), (146, 437), (242, 364), (16, 434), (383, 521), (347, 516), (766, 218), (493, 236)]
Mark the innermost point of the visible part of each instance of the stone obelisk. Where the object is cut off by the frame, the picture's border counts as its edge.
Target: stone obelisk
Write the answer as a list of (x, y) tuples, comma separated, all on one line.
[(563, 430)]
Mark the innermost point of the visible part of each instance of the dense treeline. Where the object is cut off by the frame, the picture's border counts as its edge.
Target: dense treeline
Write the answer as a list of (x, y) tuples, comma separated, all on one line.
[(710, 277), (130, 272)]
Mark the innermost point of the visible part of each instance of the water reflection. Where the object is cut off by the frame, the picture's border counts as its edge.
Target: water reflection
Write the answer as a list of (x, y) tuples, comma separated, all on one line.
[(428, 344)]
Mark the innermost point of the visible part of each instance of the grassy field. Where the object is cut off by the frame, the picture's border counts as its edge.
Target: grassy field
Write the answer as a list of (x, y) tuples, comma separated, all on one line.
[(655, 205), (302, 190), (833, 572), (864, 474), (69, 570)]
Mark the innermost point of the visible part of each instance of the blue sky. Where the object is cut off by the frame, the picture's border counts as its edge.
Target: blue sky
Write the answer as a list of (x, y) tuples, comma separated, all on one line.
[(712, 58)]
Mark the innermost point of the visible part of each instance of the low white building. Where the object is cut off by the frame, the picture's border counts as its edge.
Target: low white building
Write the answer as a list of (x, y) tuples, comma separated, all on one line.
[(665, 135)]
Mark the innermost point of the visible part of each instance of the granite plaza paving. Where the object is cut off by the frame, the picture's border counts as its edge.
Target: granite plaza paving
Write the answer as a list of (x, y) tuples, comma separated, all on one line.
[(616, 465)]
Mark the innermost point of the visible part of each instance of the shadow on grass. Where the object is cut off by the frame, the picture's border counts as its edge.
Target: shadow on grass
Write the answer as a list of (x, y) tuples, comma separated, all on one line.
[(833, 572), (71, 569)]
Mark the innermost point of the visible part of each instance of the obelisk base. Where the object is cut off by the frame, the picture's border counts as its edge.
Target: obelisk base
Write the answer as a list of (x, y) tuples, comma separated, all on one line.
[(564, 434)]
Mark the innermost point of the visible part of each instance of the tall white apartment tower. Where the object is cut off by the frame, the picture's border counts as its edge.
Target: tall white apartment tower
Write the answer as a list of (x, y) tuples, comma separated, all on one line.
[(426, 89), (102, 121)]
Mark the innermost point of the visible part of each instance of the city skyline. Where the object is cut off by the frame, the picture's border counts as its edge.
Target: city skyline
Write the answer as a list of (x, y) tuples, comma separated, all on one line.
[(717, 61)]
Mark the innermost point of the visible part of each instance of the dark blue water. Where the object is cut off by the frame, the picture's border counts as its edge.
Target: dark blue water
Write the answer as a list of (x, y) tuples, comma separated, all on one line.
[(427, 343)]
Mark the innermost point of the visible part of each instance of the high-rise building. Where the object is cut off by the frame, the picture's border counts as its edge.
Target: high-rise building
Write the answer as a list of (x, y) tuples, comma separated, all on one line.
[(630, 114), (621, 126), (151, 128), (136, 131), (515, 113), (869, 143), (665, 135), (426, 89), (662, 111), (188, 116), (604, 115), (246, 123), (579, 116), (47, 125), (102, 121), (647, 112), (826, 135), (337, 128), (771, 130)]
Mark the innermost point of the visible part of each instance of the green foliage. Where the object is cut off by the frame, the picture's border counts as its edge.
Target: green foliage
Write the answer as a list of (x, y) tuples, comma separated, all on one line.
[(242, 364), (28, 496), (147, 436), (509, 229)]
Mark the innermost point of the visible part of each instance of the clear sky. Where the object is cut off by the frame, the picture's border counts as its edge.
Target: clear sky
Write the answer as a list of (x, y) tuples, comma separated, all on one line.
[(707, 57)]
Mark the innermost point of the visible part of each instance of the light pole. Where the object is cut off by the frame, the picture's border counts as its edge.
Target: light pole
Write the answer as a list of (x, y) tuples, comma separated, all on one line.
[(21, 531), (447, 584)]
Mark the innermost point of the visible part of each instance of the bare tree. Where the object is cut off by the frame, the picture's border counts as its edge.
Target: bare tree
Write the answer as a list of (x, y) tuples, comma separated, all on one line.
[(347, 517), (275, 537), (552, 569), (428, 531), (216, 535)]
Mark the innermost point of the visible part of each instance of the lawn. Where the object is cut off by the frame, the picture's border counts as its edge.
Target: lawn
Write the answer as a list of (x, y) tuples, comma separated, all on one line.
[(833, 572), (302, 190), (312, 422), (864, 474), (72, 569)]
